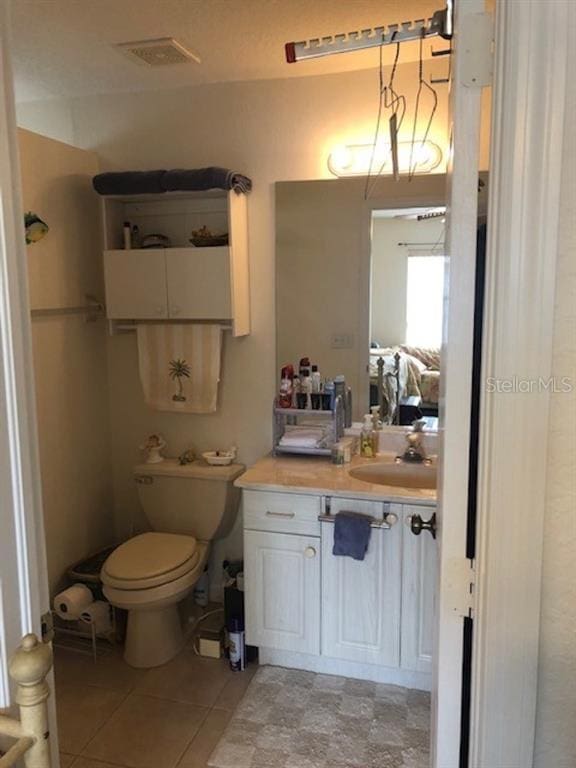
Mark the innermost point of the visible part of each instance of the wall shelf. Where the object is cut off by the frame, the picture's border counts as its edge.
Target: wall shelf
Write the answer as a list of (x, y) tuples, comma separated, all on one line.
[(183, 282)]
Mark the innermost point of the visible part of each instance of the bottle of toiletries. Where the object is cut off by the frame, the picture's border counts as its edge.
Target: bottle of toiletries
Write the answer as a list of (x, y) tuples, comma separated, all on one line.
[(201, 589), (315, 379), (305, 367), (340, 386), (286, 395), (306, 386), (237, 645), (340, 391), (135, 241), (328, 398), (375, 411), (367, 438), (127, 234), (342, 452), (296, 388)]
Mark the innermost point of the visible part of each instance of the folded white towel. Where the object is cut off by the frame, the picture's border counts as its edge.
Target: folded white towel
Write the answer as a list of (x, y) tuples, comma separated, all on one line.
[(303, 437), (301, 442)]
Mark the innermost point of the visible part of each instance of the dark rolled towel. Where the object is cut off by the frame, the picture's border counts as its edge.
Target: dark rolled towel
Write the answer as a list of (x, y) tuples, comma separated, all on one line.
[(351, 535), (198, 179), (129, 183)]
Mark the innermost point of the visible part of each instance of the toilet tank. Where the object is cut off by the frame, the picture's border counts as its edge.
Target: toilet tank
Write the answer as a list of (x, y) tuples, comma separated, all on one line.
[(193, 499)]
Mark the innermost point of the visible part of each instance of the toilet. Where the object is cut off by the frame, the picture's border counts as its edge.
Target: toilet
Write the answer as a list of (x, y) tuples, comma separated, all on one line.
[(187, 506)]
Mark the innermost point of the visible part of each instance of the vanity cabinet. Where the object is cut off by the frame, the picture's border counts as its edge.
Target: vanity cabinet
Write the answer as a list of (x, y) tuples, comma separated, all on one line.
[(282, 583), (419, 582), (361, 598), (282, 570), (307, 608)]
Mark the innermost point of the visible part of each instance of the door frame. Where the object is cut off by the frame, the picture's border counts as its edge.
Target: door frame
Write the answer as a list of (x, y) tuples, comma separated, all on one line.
[(528, 105), (18, 426), (24, 595)]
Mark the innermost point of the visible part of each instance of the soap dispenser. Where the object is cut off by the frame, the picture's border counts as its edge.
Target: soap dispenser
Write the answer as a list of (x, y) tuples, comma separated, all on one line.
[(368, 438)]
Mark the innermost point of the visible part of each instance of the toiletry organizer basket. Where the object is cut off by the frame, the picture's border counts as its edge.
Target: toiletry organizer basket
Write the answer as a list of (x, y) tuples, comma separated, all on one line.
[(283, 417)]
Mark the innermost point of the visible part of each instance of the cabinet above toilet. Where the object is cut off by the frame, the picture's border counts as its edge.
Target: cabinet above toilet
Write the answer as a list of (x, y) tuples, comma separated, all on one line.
[(180, 282)]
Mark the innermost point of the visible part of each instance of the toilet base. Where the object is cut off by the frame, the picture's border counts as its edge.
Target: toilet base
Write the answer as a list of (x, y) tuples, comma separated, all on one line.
[(153, 637)]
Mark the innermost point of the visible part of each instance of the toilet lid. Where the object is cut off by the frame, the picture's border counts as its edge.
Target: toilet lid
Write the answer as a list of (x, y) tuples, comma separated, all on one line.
[(150, 557)]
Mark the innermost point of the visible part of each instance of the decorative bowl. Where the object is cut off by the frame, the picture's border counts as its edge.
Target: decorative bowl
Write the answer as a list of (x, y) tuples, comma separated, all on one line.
[(219, 458), (209, 241)]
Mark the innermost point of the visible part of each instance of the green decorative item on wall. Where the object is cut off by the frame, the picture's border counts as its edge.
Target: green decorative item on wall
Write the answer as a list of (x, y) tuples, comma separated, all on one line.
[(179, 369), (35, 227)]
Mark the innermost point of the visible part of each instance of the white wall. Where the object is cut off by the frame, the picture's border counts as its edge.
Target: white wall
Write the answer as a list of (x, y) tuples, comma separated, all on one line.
[(390, 272), (556, 714), (70, 361)]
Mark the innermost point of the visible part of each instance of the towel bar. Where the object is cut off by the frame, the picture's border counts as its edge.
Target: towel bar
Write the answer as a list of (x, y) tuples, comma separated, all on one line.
[(389, 520), (93, 310)]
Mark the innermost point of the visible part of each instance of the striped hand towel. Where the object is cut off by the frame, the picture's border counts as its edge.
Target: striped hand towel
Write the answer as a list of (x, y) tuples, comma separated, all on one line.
[(180, 366)]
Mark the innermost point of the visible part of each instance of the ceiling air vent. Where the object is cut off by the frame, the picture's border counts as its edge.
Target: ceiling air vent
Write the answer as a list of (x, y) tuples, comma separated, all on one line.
[(161, 52)]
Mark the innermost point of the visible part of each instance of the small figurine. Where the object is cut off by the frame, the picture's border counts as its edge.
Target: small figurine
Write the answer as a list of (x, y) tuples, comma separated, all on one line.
[(186, 457), (153, 445)]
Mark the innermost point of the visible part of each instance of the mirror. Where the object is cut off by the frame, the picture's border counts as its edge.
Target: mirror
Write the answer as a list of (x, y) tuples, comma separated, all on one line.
[(361, 280)]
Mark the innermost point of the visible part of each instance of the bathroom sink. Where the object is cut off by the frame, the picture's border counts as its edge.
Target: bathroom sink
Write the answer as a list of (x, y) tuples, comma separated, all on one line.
[(401, 475)]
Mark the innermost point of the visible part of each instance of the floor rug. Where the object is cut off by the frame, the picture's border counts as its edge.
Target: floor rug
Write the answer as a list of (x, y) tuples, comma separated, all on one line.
[(294, 719)]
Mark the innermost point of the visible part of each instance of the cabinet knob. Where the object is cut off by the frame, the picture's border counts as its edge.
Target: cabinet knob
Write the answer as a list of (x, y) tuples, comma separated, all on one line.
[(391, 518), (310, 552), (175, 310), (417, 525), (160, 309)]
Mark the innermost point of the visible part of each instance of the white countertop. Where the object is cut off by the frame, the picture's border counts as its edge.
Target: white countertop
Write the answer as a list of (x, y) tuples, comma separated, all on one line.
[(318, 476)]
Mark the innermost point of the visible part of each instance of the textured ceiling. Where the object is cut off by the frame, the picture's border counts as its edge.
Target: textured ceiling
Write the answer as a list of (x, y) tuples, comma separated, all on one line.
[(65, 47)]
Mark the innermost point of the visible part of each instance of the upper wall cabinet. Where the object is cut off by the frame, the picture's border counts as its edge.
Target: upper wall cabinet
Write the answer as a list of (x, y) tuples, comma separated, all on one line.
[(181, 282)]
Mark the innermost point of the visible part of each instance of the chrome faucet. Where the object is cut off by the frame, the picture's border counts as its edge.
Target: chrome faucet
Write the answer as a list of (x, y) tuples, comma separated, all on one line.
[(415, 452)]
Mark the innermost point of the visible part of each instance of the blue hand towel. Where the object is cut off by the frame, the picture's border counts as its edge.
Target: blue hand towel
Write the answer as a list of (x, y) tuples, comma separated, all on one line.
[(205, 178), (129, 183), (177, 180), (351, 535)]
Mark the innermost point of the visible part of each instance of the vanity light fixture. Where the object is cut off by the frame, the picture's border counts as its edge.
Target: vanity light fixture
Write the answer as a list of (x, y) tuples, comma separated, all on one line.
[(356, 159)]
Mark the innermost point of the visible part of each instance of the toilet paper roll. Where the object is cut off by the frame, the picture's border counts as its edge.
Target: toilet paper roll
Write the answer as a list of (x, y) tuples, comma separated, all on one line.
[(70, 603), (97, 615)]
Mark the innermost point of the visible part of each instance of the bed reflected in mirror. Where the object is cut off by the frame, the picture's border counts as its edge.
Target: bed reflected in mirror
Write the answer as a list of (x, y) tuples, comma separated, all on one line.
[(407, 288)]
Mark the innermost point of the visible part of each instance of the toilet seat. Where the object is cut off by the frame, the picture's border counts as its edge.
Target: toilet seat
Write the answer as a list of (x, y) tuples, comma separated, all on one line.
[(150, 560)]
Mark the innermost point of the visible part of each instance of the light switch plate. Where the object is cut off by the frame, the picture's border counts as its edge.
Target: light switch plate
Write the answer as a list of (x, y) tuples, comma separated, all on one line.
[(342, 341)]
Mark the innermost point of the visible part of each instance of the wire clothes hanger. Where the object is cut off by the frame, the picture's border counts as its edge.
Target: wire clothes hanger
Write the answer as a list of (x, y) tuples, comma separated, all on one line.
[(422, 84), (389, 99)]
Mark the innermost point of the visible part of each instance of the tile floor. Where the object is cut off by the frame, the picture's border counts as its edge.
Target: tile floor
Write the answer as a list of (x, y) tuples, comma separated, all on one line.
[(174, 716), (111, 715)]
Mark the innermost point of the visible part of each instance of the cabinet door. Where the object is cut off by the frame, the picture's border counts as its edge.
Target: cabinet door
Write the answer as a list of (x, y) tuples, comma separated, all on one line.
[(418, 593), (282, 578), (361, 600), (136, 284), (199, 283)]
